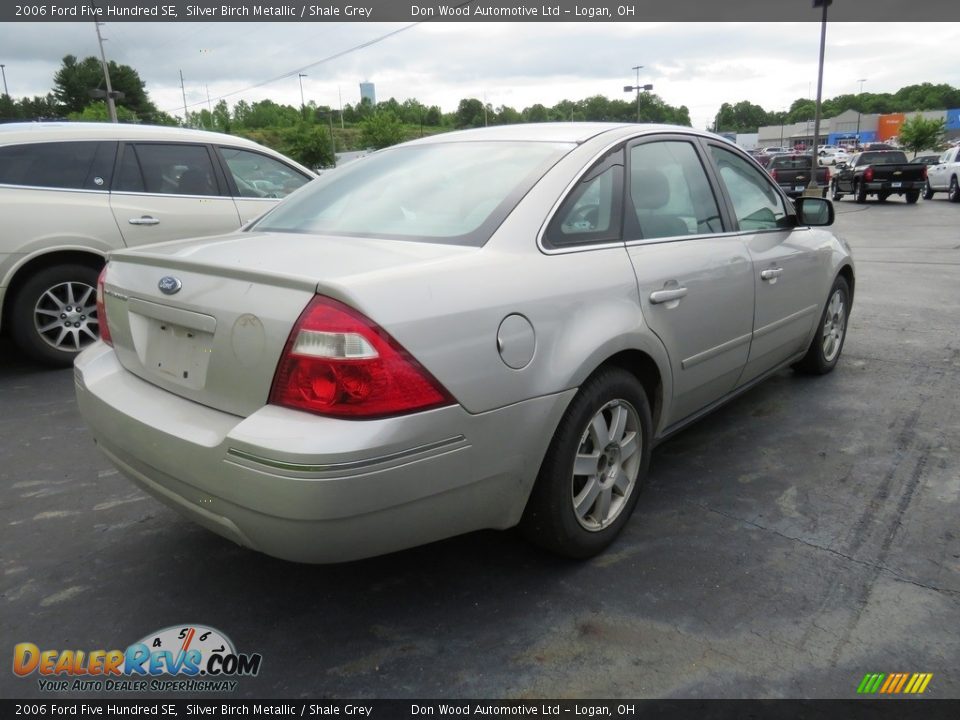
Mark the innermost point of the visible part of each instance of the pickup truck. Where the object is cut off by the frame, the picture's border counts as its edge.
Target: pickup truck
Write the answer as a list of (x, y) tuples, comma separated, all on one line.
[(881, 173), (792, 174), (944, 176)]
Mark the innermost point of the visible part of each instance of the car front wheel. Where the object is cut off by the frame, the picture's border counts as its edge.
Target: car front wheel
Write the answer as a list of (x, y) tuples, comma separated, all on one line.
[(927, 191), (953, 193), (594, 469), (827, 344), (54, 314)]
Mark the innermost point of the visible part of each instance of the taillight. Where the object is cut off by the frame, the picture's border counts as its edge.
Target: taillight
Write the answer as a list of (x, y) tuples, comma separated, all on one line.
[(868, 174), (924, 172), (102, 310), (827, 174), (773, 173), (338, 362)]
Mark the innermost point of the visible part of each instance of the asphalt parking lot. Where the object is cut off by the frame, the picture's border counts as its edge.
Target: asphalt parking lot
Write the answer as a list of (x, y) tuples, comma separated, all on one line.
[(802, 536)]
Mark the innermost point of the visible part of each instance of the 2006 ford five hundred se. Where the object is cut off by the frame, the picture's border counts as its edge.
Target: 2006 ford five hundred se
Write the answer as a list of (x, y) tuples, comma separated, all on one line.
[(475, 330)]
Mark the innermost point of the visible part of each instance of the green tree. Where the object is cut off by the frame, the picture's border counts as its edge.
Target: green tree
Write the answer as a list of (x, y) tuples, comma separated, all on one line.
[(8, 108), (75, 79), (381, 130), (469, 114), (919, 133), (98, 112)]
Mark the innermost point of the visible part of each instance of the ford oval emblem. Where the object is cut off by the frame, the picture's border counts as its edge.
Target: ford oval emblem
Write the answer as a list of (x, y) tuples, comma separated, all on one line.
[(169, 285)]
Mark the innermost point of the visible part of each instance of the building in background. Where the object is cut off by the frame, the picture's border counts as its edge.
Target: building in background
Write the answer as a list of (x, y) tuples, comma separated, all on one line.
[(368, 92)]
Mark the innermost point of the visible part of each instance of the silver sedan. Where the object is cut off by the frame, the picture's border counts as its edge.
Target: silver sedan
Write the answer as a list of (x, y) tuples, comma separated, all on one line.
[(475, 330)]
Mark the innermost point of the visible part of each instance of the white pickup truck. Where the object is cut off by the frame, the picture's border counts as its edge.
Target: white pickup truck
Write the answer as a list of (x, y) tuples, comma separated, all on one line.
[(944, 176)]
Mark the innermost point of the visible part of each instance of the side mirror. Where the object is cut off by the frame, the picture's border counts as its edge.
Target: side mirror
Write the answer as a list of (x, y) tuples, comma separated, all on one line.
[(814, 211)]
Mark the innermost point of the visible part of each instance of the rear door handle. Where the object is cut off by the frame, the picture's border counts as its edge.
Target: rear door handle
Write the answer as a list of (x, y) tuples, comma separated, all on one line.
[(771, 274), (662, 296), (145, 220)]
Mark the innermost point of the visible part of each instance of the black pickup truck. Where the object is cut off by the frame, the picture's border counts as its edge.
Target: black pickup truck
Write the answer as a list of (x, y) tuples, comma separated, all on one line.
[(881, 173), (792, 174)]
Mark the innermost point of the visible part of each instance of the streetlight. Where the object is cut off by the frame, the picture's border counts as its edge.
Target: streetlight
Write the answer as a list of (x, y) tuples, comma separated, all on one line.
[(859, 111), (638, 87), (303, 105), (4, 71), (812, 188)]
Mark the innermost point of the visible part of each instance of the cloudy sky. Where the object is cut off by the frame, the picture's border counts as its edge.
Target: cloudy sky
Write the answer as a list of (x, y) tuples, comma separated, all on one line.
[(516, 64)]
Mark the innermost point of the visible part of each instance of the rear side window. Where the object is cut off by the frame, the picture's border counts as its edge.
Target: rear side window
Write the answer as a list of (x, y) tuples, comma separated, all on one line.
[(67, 165), (669, 193), (592, 212), (260, 176), (167, 169)]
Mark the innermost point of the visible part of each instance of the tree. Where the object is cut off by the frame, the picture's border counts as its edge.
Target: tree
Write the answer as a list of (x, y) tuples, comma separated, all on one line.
[(98, 112), (381, 130), (75, 79), (469, 114), (918, 133)]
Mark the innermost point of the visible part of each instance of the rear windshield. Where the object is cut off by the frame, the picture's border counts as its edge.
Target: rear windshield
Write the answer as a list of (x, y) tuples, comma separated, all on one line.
[(797, 162), (882, 158), (457, 192)]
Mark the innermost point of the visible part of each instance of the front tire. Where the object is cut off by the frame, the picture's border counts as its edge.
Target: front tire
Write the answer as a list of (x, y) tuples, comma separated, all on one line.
[(54, 314), (594, 469), (827, 344), (927, 191), (953, 193)]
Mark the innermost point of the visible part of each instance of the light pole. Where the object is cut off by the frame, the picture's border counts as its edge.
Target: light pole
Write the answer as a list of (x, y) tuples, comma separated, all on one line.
[(111, 106), (303, 105), (859, 111), (812, 188), (638, 87), (4, 71)]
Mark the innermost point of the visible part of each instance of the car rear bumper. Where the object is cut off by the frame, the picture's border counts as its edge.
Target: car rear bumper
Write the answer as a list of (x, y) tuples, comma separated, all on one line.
[(313, 489), (888, 186)]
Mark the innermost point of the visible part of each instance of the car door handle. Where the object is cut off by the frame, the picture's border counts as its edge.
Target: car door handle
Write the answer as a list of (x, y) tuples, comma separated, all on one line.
[(771, 273), (145, 220), (662, 296)]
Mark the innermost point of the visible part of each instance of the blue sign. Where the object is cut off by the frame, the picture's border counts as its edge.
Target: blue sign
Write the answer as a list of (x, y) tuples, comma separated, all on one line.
[(953, 119)]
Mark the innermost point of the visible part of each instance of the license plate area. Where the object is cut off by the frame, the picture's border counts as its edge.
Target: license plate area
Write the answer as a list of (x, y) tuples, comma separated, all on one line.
[(896, 184), (174, 351), (799, 188)]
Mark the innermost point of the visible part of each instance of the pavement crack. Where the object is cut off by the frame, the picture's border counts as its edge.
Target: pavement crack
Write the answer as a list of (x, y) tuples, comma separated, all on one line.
[(865, 563)]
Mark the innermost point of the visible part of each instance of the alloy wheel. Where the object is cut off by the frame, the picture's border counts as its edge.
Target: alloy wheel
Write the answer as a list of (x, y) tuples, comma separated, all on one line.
[(65, 316), (834, 326)]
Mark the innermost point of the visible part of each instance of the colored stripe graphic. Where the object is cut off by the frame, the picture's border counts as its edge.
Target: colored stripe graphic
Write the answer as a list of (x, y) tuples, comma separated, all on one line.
[(894, 683)]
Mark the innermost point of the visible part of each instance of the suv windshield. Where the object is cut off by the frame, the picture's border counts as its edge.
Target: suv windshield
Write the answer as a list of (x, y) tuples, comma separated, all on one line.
[(456, 192)]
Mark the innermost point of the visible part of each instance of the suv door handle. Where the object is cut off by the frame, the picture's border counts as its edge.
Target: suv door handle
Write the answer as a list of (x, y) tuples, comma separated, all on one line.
[(771, 274), (662, 296), (145, 220)]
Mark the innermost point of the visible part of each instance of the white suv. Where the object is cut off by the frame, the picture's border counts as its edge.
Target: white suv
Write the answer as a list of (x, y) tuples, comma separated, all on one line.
[(72, 192)]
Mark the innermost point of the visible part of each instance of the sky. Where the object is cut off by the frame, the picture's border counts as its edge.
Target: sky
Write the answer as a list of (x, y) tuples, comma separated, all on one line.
[(515, 64)]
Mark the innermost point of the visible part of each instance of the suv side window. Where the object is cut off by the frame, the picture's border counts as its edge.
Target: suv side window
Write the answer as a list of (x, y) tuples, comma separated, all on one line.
[(67, 165), (756, 202), (261, 176), (669, 193), (167, 169), (593, 210)]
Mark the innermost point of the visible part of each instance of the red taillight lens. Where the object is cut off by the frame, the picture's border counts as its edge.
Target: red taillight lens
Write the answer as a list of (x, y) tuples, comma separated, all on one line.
[(826, 177), (868, 174), (773, 173), (338, 362), (102, 310)]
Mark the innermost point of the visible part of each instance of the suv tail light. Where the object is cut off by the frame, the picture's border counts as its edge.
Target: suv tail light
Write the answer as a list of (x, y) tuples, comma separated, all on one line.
[(102, 310), (337, 362), (868, 174)]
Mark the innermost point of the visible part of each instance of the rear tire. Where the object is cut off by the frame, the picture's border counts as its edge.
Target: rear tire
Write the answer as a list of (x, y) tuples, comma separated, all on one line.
[(41, 324), (912, 196), (837, 195), (882, 196), (594, 469), (827, 343), (860, 192)]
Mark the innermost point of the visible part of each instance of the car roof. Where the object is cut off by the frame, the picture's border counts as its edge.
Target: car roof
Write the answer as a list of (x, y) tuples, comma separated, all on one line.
[(570, 132), (50, 131)]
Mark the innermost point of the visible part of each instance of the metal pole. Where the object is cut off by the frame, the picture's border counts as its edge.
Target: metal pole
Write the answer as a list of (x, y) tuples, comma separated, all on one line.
[(813, 188), (3, 70), (111, 107), (637, 68), (340, 97), (859, 112), (333, 144), (186, 118), (303, 105)]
